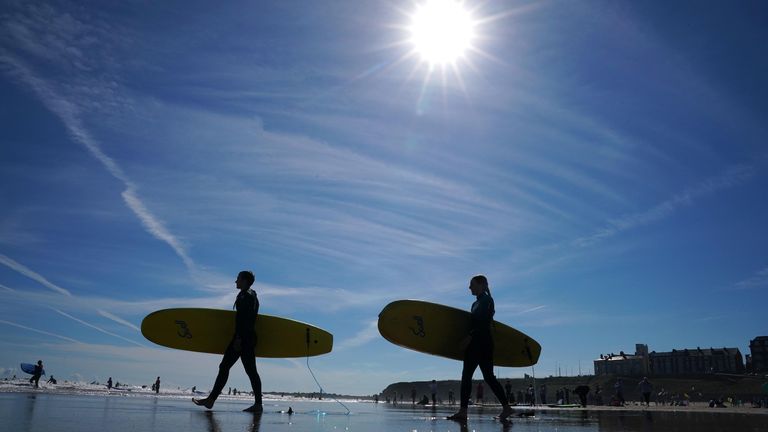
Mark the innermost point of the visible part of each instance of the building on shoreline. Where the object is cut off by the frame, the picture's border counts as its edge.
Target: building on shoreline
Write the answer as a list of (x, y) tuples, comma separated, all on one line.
[(697, 361), (623, 364), (758, 347), (676, 362)]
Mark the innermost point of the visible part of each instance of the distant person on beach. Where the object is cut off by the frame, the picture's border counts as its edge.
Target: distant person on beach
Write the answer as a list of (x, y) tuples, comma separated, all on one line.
[(619, 388), (582, 391), (157, 385), (51, 380), (646, 388), (451, 400), (543, 394), (109, 383), (479, 393), (36, 375), (242, 345), (479, 349), (413, 395), (433, 389)]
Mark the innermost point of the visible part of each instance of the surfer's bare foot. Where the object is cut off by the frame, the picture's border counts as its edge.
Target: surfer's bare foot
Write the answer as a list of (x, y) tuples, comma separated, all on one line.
[(207, 402), (460, 416), (255, 408), (505, 413)]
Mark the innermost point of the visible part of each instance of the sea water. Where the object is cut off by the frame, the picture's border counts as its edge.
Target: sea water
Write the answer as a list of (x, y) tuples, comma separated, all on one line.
[(40, 411)]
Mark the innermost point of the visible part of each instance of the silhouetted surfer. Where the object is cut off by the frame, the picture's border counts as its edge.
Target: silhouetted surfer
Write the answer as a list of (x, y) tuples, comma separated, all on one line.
[(242, 344), (479, 349), (36, 375)]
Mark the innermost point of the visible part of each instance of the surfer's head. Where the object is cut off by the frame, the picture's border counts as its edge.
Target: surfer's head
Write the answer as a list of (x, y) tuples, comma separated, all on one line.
[(245, 279), (479, 284)]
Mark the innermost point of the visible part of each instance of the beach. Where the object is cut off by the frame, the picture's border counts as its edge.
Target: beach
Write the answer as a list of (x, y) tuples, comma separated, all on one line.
[(82, 408)]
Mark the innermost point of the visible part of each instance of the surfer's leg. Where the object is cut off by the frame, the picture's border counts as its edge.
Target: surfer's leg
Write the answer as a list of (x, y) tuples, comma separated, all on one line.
[(470, 364), (486, 367), (249, 363), (229, 359)]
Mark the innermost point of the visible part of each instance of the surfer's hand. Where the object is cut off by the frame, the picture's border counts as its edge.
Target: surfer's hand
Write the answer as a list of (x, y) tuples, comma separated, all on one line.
[(237, 344)]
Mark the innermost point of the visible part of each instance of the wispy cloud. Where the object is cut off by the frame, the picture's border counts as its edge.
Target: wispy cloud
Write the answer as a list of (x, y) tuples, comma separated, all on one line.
[(64, 33), (154, 226), (533, 309), (758, 280), (32, 275), (68, 339), (731, 177), (87, 324), (368, 333), (117, 319), (89, 304)]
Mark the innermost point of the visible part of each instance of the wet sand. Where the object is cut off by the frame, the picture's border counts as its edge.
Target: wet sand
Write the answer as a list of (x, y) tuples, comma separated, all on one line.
[(699, 407), (33, 411)]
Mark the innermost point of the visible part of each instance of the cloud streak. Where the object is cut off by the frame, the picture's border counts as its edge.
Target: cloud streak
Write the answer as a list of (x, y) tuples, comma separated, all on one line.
[(68, 339), (368, 333), (69, 109), (758, 280), (731, 177), (95, 327), (8, 262), (117, 319)]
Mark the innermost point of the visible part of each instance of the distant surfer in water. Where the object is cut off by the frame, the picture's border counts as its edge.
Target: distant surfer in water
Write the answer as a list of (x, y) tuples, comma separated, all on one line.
[(242, 345), (479, 350)]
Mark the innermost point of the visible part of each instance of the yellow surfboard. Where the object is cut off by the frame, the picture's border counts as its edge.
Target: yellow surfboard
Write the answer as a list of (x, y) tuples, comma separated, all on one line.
[(436, 329), (211, 330)]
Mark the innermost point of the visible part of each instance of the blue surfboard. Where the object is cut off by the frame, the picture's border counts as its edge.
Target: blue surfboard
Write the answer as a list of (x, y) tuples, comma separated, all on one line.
[(30, 368)]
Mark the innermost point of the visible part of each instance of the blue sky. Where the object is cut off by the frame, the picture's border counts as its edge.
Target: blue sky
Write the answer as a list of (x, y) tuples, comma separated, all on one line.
[(605, 164)]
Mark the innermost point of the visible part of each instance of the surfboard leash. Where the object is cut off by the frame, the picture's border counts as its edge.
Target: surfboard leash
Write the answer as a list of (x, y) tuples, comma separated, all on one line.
[(315, 378)]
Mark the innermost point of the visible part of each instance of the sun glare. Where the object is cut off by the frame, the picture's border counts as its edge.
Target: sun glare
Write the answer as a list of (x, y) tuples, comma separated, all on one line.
[(441, 31)]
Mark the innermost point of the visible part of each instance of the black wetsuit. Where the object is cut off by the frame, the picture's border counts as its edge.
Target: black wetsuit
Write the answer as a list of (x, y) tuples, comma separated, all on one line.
[(36, 376), (247, 306), (480, 350)]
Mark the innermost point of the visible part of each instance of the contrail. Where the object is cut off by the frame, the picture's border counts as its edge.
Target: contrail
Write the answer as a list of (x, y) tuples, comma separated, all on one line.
[(95, 327), (40, 331), (69, 114), (117, 319), (32, 275)]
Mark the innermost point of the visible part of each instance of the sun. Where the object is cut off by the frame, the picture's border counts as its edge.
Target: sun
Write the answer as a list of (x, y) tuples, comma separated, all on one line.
[(441, 31)]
